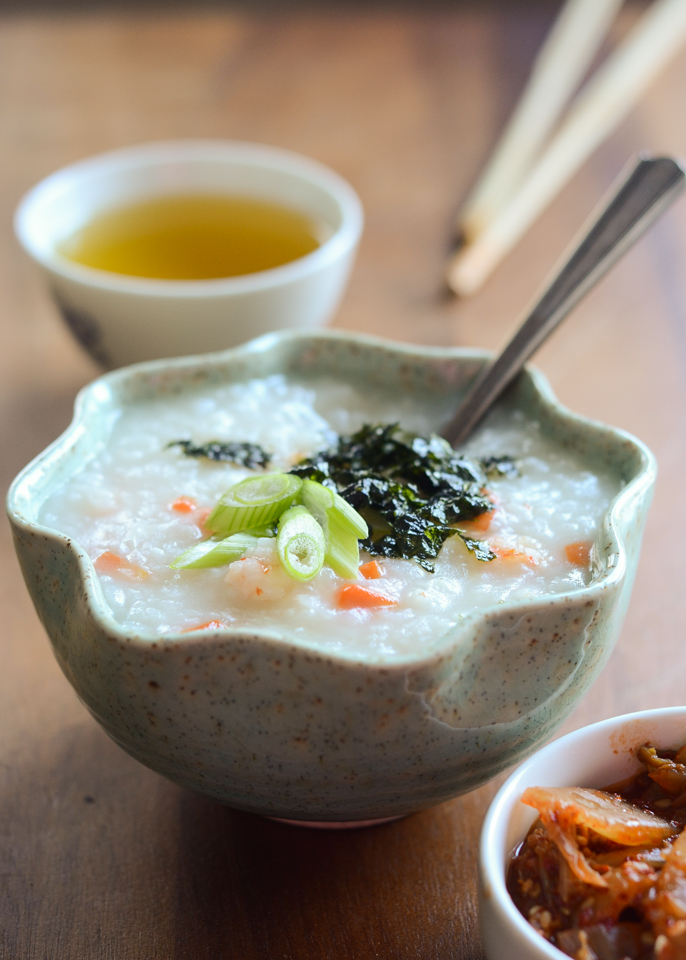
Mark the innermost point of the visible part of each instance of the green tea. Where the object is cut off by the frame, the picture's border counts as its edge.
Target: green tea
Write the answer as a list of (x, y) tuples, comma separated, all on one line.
[(194, 236)]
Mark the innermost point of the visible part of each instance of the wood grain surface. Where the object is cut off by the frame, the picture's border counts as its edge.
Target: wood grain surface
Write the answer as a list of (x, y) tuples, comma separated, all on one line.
[(99, 857)]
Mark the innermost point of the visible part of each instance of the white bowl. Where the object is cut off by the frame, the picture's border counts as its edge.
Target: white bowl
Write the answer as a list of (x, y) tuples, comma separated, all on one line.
[(122, 319), (594, 756)]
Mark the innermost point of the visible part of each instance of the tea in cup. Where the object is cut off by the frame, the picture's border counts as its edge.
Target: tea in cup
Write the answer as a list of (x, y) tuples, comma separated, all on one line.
[(187, 247)]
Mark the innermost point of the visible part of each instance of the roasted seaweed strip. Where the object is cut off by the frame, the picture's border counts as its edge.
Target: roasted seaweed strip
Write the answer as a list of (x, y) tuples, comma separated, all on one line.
[(409, 489), (248, 455), (495, 467)]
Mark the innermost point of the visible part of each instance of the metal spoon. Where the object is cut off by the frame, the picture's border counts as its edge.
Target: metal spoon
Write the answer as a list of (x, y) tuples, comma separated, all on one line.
[(641, 196)]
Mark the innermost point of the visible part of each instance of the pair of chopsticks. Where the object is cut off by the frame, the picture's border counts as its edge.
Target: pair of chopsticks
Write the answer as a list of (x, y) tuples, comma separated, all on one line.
[(526, 172)]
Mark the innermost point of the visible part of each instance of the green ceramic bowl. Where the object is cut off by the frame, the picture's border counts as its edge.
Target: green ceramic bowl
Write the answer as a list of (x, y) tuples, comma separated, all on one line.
[(382, 740)]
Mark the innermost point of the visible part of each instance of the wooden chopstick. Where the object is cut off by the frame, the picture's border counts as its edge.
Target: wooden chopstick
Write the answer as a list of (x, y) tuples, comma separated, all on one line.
[(558, 70), (599, 108)]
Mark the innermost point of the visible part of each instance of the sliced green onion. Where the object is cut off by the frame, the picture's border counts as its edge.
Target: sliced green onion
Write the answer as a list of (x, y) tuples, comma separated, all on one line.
[(254, 502), (343, 527), (268, 530), (215, 552), (300, 544), (342, 550), (320, 499)]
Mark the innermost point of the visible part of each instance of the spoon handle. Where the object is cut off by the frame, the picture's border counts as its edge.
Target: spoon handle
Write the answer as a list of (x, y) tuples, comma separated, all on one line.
[(650, 187)]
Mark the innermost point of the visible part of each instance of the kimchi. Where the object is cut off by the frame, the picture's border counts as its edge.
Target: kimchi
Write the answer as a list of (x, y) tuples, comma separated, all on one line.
[(602, 873)]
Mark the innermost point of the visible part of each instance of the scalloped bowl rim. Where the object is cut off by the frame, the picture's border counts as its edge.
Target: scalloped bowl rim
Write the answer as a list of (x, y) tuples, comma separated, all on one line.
[(100, 610)]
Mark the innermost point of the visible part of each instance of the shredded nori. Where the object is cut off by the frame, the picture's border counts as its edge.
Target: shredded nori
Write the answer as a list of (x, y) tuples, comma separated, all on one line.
[(499, 467), (410, 490), (248, 455), (479, 548)]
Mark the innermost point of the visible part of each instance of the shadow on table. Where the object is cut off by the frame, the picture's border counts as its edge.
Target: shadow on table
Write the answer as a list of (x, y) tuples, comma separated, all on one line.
[(253, 888), (104, 859)]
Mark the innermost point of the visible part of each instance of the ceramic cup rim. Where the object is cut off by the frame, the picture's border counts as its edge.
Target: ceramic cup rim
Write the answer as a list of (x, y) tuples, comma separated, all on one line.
[(491, 862), (165, 152)]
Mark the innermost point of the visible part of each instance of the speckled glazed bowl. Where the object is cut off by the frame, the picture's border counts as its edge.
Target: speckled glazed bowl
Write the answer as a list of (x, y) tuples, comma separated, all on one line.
[(278, 728)]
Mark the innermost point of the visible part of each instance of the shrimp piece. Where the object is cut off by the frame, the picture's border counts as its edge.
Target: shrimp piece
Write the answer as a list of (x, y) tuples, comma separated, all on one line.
[(253, 579), (667, 909), (563, 809), (112, 565), (513, 555), (669, 775)]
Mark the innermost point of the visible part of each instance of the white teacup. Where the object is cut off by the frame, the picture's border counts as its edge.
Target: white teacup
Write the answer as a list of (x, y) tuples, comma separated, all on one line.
[(121, 319)]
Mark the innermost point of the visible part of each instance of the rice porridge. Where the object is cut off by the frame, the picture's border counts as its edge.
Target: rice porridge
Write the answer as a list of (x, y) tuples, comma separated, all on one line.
[(138, 504)]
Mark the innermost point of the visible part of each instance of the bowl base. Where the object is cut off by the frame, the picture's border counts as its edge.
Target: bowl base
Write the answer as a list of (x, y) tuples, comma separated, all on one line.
[(336, 824)]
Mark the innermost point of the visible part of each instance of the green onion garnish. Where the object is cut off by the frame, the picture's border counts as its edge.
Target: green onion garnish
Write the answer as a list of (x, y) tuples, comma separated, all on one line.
[(300, 544), (343, 527), (214, 552), (343, 550), (253, 503)]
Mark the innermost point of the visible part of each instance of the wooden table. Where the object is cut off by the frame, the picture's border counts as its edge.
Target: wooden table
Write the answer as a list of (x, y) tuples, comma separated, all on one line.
[(100, 858)]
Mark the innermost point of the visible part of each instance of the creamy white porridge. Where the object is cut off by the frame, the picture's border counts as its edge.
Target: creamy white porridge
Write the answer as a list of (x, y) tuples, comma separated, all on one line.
[(137, 505)]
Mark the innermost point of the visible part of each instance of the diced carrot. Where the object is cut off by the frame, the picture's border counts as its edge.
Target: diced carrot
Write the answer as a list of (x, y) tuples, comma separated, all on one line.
[(354, 595), (111, 565), (371, 570), (479, 524), (579, 552), (108, 561), (210, 625), (184, 505), (197, 515)]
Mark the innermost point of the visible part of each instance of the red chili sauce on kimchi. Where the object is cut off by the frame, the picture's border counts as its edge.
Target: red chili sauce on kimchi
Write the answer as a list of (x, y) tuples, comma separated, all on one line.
[(602, 873)]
